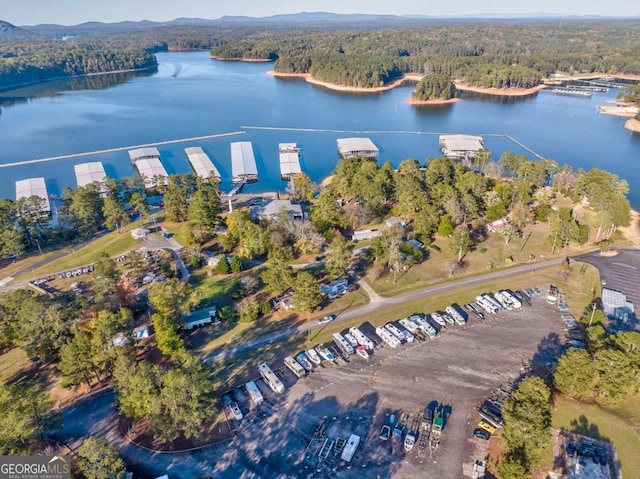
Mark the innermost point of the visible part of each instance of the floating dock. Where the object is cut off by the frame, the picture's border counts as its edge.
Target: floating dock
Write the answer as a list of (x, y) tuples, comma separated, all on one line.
[(352, 147), (460, 147), (201, 163), (34, 187), (289, 160), (243, 163), (571, 92), (147, 162), (87, 173)]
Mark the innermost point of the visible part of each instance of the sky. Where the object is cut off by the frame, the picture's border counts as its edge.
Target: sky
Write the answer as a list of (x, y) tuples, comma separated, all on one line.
[(71, 12)]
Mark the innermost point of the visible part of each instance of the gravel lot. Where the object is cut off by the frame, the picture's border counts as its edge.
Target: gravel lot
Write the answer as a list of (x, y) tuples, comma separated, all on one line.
[(459, 369)]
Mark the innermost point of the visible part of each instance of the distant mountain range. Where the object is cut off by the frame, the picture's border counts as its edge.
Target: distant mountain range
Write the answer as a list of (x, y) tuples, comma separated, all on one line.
[(303, 19)]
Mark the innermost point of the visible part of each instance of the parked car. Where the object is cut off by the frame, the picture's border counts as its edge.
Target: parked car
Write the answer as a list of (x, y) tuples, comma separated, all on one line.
[(327, 319), (235, 411), (481, 434)]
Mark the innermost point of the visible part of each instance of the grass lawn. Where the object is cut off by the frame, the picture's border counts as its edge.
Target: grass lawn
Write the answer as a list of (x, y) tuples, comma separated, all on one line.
[(113, 244), (11, 363), (180, 231), (620, 425), (489, 255), (10, 268)]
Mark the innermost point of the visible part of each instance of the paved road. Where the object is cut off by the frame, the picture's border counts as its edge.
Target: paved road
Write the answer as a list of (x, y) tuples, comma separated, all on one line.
[(230, 351)]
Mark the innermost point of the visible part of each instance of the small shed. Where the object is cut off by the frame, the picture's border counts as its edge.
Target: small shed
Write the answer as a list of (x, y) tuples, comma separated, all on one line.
[(139, 233), (498, 225)]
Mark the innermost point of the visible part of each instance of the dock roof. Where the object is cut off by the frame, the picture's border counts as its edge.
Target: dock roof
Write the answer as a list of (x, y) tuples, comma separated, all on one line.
[(242, 160), (140, 153), (150, 168), (201, 163), (87, 173), (289, 159), (452, 144), (348, 147), (33, 187)]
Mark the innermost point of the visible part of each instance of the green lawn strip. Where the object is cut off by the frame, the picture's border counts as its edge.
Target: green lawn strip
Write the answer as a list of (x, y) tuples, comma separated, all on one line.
[(113, 244), (620, 425), (490, 255), (12, 268)]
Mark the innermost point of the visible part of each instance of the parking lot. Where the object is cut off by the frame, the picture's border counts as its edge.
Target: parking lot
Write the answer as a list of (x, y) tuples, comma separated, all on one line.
[(298, 433)]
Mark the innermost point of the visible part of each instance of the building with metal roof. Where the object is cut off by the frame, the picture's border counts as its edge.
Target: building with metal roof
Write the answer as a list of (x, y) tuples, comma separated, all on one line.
[(243, 163), (460, 147), (201, 163), (616, 306), (150, 169), (87, 173), (350, 147), (34, 187), (289, 160), (143, 153), (270, 209)]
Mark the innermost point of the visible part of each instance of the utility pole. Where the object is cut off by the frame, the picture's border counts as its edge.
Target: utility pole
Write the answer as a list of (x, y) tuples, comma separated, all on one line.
[(593, 311)]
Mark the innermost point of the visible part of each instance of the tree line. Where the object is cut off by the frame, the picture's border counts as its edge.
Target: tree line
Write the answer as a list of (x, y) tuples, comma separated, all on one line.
[(479, 54), (35, 66)]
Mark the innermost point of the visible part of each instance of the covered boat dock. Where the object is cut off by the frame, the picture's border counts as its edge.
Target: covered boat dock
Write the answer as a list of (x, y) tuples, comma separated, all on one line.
[(87, 173), (351, 147), (201, 163), (243, 163), (147, 162), (460, 147), (34, 187), (289, 160)]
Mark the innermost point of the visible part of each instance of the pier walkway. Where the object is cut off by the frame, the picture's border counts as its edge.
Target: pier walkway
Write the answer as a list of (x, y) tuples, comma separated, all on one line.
[(122, 148)]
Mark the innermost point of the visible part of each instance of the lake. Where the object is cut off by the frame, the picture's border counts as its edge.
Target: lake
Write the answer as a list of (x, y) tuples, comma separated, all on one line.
[(191, 95)]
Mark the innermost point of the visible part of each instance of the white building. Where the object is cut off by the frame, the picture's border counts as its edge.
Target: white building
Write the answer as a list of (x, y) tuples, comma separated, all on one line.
[(87, 173), (615, 305), (365, 235), (147, 162), (201, 163)]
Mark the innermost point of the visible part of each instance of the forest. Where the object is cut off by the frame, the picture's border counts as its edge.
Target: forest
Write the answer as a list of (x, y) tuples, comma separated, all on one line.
[(481, 53)]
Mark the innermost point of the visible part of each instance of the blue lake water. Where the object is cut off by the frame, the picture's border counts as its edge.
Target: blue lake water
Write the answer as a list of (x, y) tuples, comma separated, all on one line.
[(191, 95)]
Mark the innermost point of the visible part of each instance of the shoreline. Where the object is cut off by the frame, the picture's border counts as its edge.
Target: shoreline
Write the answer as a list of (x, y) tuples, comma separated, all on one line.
[(632, 125), (17, 86), (434, 101), (343, 88), (515, 92), (407, 78), (248, 60)]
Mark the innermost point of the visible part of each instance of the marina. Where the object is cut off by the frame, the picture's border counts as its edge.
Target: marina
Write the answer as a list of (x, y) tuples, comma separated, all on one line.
[(572, 92), (289, 160), (243, 163), (201, 163)]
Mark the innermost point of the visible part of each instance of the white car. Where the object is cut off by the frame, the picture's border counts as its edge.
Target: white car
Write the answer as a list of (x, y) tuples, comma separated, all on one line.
[(235, 411), (327, 319)]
